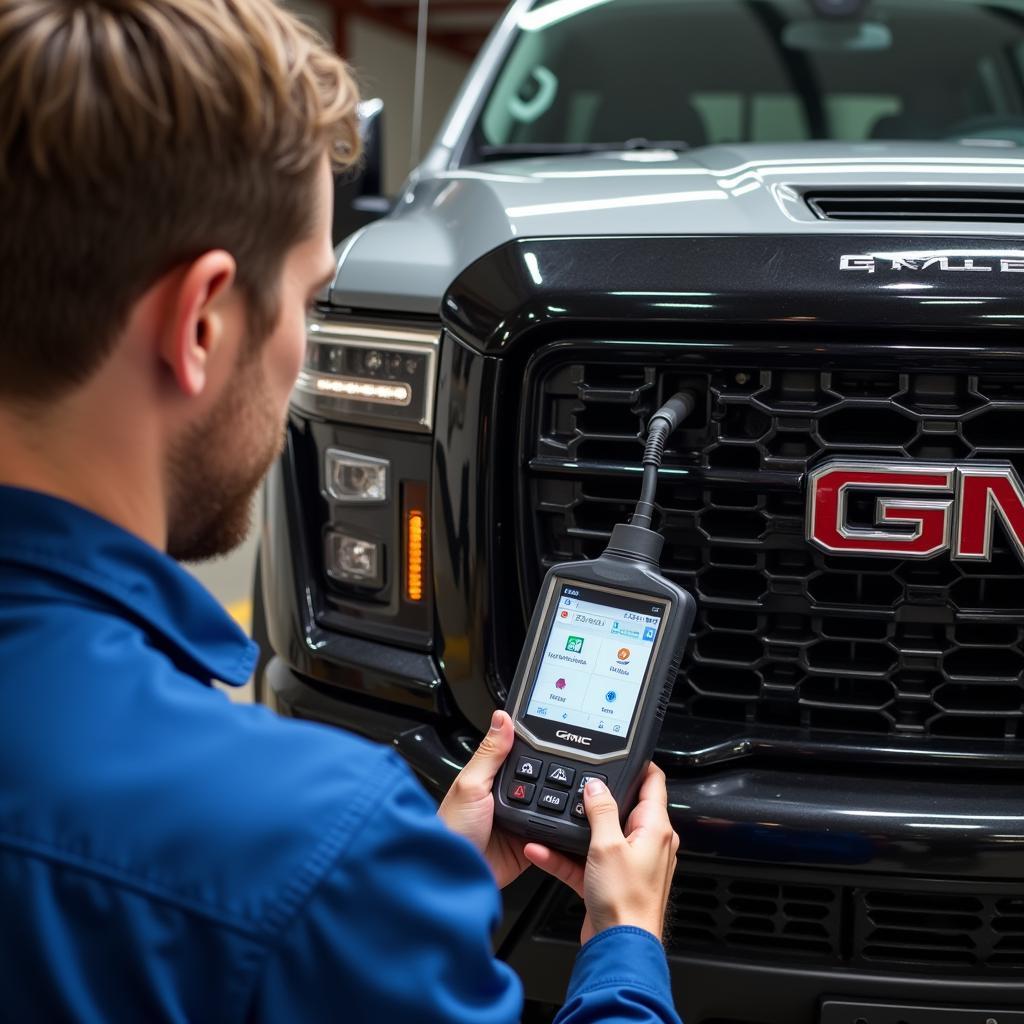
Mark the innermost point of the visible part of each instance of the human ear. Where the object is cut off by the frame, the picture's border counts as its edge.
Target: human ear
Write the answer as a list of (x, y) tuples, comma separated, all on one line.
[(195, 325)]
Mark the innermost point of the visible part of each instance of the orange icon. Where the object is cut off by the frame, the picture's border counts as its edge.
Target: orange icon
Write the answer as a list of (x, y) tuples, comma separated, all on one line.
[(623, 654)]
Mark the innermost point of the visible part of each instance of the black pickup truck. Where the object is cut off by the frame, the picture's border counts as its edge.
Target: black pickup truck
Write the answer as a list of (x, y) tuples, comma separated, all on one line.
[(808, 214)]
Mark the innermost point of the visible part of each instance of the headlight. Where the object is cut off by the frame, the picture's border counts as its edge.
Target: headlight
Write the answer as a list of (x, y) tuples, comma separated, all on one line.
[(378, 376), (354, 479)]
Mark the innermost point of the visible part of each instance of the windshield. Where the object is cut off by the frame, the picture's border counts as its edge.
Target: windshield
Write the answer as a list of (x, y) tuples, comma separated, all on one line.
[(589, 73)]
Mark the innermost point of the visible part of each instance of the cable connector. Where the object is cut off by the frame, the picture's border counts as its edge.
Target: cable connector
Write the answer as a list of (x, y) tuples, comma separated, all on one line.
[(660, 428)]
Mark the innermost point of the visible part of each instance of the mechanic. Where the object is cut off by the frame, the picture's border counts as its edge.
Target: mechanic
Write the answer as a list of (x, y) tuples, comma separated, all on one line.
[(165, 202)]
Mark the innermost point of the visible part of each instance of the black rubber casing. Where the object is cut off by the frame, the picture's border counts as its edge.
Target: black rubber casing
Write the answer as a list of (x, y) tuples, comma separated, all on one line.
[(624, 772)]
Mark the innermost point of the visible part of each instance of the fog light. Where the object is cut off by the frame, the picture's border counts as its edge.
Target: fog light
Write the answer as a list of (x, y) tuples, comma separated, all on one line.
[(353, 559), (355, 479)]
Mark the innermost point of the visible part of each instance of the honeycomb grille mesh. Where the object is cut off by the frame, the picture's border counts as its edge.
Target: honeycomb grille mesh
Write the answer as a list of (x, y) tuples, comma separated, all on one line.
[(786, 634)]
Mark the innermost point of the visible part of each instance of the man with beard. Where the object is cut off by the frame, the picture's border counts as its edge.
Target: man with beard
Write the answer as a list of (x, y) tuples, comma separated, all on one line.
[(165, 211)]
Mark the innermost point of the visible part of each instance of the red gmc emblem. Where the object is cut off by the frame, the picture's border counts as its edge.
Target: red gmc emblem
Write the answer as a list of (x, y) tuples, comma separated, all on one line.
[(921, 509)]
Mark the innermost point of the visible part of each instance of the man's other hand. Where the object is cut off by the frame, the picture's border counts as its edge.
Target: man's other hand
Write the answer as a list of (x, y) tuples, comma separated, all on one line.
[(627, 875), (468, 808)]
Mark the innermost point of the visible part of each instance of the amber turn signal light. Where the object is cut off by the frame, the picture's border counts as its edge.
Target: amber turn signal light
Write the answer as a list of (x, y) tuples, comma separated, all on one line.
[(415, 529)]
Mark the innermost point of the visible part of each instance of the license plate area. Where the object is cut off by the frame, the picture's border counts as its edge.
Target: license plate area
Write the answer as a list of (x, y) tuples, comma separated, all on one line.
[(845, 1011)]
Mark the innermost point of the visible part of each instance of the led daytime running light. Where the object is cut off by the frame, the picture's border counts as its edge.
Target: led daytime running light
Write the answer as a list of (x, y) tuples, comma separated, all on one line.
[(386, 393)]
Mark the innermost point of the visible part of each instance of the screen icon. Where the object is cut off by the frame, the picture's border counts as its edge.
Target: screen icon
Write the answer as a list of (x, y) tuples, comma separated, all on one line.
[(649, 633), (623, 655), (559, 684), (564, 614), (574, 644), (611, 696)]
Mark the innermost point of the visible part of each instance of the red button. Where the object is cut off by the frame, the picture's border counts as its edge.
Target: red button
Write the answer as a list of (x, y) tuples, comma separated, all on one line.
[(521, 792)]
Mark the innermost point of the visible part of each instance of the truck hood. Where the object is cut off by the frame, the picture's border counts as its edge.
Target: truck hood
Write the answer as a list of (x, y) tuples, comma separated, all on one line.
[(444, 222)]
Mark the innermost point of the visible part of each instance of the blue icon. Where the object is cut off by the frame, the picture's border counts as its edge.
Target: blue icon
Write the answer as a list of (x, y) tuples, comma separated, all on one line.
[(611, 696), (649, 633), (565, 714), (541, 710)]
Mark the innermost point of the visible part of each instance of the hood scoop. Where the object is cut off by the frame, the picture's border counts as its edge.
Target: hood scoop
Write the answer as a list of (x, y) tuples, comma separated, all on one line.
[(903, 204)]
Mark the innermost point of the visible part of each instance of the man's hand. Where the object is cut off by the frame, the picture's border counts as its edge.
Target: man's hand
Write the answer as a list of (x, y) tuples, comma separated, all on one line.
[(468, 808), (627, 876)]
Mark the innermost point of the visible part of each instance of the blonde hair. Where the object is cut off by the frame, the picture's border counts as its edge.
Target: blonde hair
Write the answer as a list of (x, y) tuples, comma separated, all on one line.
[(136, 134)]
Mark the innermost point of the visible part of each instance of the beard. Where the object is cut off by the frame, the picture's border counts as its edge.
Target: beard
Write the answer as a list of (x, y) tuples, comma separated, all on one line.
[(217, 466)]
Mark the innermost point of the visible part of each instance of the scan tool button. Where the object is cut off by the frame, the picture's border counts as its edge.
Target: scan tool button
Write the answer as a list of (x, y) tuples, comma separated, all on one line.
[(551, 800), (521, 792), (528, 769), (560, 775), (585, 778), (578, 810)]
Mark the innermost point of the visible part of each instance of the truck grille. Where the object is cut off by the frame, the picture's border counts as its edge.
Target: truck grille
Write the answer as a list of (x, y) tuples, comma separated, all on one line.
[(928, 931), (788, 636)]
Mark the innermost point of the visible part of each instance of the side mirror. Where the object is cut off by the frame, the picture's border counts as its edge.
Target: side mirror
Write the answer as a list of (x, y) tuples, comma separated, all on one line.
[(358, 192)]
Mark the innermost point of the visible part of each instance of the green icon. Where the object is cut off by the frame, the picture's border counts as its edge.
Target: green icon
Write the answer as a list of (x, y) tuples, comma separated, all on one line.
[(574, 644)]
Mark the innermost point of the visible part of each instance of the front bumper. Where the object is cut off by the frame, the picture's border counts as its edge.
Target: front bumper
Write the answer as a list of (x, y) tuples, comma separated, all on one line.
[(759, 844)]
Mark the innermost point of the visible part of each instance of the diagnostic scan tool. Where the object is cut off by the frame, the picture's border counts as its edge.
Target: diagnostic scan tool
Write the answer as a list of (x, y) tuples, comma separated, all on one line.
[(596, 673)]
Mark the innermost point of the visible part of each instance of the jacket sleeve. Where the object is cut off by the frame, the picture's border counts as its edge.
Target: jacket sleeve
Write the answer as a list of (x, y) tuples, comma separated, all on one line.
[(620, 977), (398, 929)]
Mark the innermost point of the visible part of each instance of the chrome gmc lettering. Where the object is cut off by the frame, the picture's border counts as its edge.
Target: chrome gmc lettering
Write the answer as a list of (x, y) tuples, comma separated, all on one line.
[(936, 508), (869, 263), (583, 741)]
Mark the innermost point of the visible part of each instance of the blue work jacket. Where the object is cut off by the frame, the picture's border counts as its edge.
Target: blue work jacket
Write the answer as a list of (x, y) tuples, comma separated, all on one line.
[(166, 855)]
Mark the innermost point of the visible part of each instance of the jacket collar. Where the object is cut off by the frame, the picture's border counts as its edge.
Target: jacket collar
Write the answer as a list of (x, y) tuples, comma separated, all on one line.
[(61, 543)]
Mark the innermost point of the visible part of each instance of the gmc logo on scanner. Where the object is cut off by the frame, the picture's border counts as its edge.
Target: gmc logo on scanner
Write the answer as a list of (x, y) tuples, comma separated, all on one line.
[(583, 741), (921, 509)]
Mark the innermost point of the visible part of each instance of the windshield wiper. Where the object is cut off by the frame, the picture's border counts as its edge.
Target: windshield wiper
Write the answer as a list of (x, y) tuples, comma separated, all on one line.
[(525, 149)]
